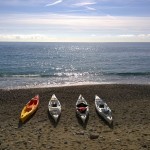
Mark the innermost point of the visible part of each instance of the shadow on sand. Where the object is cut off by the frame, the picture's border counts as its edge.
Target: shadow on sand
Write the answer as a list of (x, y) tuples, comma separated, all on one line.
[(52, 120), (20, 124), (109, 125), (83, 124)]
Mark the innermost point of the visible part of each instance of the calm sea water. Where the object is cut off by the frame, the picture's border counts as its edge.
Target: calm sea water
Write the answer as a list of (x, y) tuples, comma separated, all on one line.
[(24, 65)]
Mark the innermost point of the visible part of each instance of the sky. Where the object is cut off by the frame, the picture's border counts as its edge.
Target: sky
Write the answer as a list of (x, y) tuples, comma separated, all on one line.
[(75, 20)]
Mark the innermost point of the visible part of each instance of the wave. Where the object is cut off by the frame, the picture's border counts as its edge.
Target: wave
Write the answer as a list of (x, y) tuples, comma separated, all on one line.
[(26, 75), (69, 74), (74, 74), (20, 75), (59, 74), (128, 73)]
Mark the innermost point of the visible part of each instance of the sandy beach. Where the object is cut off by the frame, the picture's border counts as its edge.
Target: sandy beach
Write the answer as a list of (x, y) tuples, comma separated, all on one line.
[(130, 105)]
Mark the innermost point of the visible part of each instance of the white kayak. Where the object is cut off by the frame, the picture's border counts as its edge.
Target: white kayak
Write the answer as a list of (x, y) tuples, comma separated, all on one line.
[(54, 107), (103, 109), (82, 108)]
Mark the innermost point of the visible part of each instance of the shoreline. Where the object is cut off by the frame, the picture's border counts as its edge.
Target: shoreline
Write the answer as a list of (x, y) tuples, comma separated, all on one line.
[(130, 105), (75, 85)]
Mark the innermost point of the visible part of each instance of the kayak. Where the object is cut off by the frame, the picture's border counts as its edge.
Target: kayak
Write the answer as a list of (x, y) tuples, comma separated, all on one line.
[(103, 110), (54, 107), (82, 108), (29, 108)]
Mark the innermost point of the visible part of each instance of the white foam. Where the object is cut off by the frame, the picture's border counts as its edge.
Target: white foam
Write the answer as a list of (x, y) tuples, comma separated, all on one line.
[(43, 85)]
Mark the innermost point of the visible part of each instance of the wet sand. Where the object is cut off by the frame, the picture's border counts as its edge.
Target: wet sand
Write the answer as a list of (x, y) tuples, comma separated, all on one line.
[(130, 105)]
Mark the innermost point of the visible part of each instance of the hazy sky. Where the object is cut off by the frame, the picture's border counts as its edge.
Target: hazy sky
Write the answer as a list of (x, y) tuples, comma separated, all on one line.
[(75, 20)]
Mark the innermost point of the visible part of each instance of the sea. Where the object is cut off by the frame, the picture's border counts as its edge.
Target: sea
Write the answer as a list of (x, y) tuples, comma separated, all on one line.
[(51, 64)]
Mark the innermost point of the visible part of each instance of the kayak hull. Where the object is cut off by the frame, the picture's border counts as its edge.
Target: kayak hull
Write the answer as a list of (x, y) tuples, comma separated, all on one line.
[(103, 110), (54, 108), (29, 109), (107, 118), (82, 109)]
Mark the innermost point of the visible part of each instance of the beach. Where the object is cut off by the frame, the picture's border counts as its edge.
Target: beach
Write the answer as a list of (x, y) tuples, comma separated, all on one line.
[(130, 105)]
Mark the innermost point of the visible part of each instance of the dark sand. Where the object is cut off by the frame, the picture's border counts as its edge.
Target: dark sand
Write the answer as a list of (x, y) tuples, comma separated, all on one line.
[(130, 106)]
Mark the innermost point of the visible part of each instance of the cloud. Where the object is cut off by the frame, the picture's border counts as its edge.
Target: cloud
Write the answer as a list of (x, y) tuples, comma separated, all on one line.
[(84, 4), (93, 35), (90, 38), (90, 8), (72, 24), (134, 36), (56, 2), (95, 22), (144, 35), (25, 37), (127, 35), (36, 27)]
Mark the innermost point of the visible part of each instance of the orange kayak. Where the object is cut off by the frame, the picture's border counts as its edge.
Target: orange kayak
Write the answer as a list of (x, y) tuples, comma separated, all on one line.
[(29, 108)]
